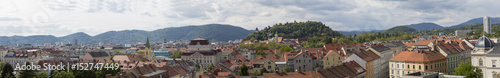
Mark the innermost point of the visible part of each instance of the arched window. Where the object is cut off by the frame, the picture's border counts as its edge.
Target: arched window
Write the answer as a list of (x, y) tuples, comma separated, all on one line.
[(480, 62)]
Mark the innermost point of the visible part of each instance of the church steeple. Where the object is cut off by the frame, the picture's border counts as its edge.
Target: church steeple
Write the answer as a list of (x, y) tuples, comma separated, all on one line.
[(147, 43), (149, 55)]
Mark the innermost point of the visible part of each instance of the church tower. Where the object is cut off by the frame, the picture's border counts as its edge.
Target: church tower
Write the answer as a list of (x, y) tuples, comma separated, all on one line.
[(149, 55)]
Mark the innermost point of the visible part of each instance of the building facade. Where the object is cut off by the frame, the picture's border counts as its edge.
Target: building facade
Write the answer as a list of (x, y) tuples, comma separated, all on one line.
[(416, 61), (200, 51), (486, 57)]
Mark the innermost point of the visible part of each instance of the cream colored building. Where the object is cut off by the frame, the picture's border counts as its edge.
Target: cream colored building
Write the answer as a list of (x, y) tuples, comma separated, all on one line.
[(416, 61), (486, 56), (200, 51)]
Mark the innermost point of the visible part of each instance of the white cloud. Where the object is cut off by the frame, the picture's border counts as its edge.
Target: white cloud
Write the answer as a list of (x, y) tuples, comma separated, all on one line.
[(63, 17)]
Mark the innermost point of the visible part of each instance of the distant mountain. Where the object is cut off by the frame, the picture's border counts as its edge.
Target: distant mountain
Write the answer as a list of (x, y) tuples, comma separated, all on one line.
[(400, 29), (28, 39), (212, 32), (424, 26), (80, 36), (494, 20)]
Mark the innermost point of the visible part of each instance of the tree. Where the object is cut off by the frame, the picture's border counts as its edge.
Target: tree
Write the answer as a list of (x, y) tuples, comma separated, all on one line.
[(263, 70), (7, 71), (176, 54), (53, 73), (261, 53), (210, 67), (140, 52), (2, 64), (288, 69), (111, 57), (244, 70), (42, 75), (466, 69), (64, 74), (116, 51), (27, 73), (285, 49)]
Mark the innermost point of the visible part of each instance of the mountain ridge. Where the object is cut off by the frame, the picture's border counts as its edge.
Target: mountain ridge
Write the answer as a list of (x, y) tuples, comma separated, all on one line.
[(213, 32)]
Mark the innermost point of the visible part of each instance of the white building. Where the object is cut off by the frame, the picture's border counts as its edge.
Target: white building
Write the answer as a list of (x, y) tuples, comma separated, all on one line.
[(462, 32), (485, 56), (487, 24), (200, 50)]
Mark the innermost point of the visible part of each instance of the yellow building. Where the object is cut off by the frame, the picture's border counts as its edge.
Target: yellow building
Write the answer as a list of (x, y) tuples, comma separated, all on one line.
[(331, 59)]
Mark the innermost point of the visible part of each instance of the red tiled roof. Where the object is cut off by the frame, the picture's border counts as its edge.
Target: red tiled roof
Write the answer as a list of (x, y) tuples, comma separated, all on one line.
[(416, 56)]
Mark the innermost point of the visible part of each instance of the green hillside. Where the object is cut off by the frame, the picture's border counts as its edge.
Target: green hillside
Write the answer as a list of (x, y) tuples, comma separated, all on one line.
[(294, 30)]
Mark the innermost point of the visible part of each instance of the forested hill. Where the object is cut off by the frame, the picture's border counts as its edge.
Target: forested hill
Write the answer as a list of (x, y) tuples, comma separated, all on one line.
[(212, 32), (294, 30), (400, 29)]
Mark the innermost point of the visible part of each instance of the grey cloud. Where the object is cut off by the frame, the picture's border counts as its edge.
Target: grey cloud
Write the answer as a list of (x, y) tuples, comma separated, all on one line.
[(51, 29), (318, 5), (10, 19), (118, 6)]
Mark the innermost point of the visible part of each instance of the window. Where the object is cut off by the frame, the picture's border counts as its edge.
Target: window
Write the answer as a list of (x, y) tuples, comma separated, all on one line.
[(268, 62), (480, 62), (425, 67), (392, 65), (419, 67), (403, 66), (431, 66), (493, 62), (408, 66), (397, 65), (268, 67), (413, 66)]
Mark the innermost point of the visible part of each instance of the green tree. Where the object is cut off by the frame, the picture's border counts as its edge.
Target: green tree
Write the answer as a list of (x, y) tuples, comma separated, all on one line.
[(210, 67), (2, 64), (285, 49), (116, 51), (244, 70), (176, 54), (111, 57), (263, 70), (466, 69), (42, 75), (7, 71), (27, 73), (53, 73), (288, 69), (140, 52), (64, 74), (260, 52)]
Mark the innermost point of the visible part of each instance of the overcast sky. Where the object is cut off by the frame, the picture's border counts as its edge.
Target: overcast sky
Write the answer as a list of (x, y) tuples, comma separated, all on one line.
[(63, 17)]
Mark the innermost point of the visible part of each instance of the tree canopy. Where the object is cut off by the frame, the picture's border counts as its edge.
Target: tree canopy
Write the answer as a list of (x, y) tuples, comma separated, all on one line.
[(7, 71), (466, 69), (293, 30), (244, 70), (64, 74)]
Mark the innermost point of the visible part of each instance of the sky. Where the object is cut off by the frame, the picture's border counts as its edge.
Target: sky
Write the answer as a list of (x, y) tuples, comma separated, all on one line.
[(64, 17)]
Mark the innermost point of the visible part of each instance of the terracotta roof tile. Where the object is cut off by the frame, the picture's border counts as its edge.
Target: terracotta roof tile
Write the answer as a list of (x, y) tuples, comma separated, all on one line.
[(416, 56)]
